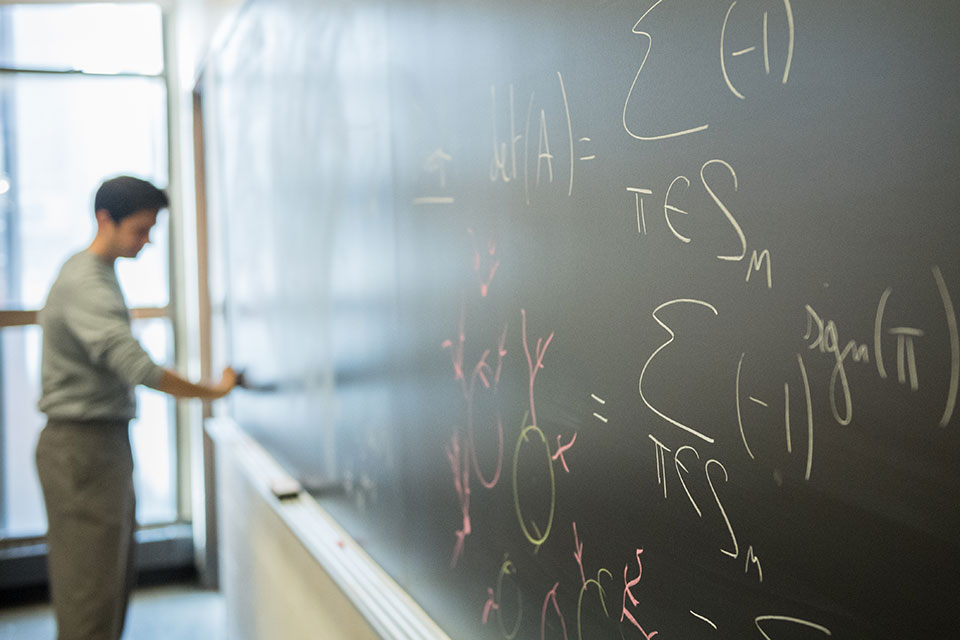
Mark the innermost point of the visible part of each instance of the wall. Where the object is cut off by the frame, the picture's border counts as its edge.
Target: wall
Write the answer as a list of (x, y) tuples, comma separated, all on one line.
[(289, 570)]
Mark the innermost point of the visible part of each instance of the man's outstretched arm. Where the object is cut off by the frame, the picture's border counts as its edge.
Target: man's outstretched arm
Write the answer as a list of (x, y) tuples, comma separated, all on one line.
[(179, 387)]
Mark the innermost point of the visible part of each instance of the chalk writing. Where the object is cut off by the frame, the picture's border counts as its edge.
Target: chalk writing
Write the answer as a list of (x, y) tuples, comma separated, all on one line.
[(683, 473), (433, 200), (499, 161), (526, 151), (456, 351), (490, 604), (504, 163), (536, 538), (592, 582), (507, 569), (669, 208), (543, 149), (535, 363), (661, 467), (724, 209), (827, 341), (711, 216), (638, 30), (551, 598), (679, 465), (586, 584), (765, 35), (578, 552), (703, 618), (824, 335), (563, 447), (461, 483), (808, 403), (796, 621), (643, 371), (566, 109), (951, 315), (596, 415), (757, 263), (628, 593), (760, 260), (485, 263), (462, 456), (479, 373), (733, 537), (592, 156), (752, 559), (435, 164), (641, 217), (907, 369)]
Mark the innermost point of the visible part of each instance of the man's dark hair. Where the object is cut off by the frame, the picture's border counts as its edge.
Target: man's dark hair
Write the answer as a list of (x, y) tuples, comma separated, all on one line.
[(124, 195)]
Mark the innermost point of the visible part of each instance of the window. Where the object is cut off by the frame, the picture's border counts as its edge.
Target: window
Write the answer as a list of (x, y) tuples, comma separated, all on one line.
[(82, 97)]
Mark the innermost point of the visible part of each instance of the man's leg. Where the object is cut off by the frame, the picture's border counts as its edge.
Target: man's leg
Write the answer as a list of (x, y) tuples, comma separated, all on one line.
[(86, 472), (130, 578)]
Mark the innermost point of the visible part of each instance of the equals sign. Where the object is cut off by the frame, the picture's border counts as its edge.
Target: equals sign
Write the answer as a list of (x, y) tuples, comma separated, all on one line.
[(595, 414)]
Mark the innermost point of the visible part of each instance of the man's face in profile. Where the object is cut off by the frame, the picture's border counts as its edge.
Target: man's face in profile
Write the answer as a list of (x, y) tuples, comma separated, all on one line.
[(132, 233)]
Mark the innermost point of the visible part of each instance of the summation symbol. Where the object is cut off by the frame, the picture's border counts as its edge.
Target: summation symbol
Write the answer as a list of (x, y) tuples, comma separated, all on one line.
[(640, 31)]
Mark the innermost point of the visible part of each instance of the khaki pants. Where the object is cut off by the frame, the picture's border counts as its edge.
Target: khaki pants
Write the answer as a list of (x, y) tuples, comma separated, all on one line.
[(86, 471)]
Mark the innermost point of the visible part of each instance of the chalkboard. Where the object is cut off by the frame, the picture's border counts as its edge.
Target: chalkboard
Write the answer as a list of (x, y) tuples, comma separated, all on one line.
[(611, 319)]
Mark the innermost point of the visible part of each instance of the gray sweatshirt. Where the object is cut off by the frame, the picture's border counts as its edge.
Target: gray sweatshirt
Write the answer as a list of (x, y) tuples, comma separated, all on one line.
[(91, 362)]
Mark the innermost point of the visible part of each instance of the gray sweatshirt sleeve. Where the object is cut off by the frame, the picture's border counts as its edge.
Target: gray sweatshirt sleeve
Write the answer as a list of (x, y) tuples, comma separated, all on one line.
[(99, 320)]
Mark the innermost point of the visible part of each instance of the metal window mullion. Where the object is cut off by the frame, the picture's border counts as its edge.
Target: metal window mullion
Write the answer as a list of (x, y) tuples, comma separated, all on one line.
[(6, 253), (171, 94), (26, 317), (79, 72)]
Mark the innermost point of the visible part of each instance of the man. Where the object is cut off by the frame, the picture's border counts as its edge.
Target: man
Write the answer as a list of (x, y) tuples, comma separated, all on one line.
[(91, 364)]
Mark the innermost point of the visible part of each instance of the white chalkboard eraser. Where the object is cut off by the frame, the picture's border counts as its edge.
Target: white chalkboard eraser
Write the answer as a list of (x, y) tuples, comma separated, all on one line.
[(285, 488)]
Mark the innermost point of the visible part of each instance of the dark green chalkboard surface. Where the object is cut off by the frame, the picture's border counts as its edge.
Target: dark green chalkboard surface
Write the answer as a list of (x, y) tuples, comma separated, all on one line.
[(607, 319)]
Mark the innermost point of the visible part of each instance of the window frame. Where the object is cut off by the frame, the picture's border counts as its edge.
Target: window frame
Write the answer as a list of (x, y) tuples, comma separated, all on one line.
[(19, 317)]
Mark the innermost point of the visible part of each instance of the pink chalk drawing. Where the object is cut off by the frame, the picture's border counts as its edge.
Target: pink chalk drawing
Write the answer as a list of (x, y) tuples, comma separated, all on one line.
[(485, 264), (456, 351), (627, 586), (578, 554), (461, 483), (551, 596), (491, 605), (501, 353), (479, 373), (563, 447), (540, 352)]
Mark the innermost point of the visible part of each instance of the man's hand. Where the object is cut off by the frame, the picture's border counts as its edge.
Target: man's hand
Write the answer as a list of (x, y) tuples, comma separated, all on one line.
[(179, 387), (228, 380)]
